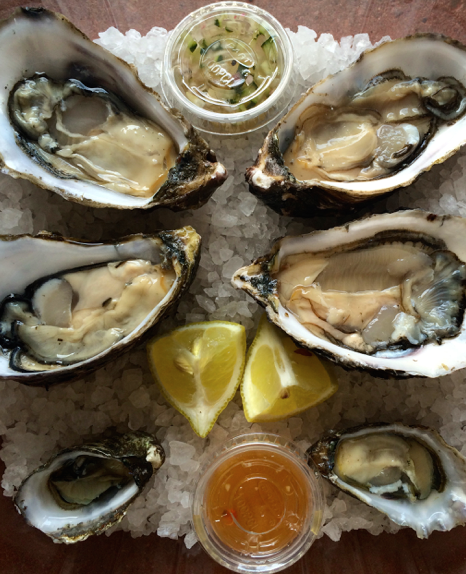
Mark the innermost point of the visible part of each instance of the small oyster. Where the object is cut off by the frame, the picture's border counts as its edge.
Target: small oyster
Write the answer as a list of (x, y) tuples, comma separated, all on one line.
[(408, 473), (78, 121), (385, 293), (68, 306), (367, 130), (86, 489)]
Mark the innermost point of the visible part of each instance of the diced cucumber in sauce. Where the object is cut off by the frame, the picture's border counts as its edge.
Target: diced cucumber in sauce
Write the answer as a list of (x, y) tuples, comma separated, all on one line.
[(204, 46), (239, 95), (270, 49), (259, 32), (192, 45)]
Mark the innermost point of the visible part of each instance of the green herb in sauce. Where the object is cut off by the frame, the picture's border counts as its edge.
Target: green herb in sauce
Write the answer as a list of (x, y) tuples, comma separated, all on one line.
[(229, 64)]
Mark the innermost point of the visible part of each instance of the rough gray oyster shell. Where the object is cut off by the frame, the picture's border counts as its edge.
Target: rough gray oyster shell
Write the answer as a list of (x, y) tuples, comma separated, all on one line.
[(425, 264), (413, 475), (28, 260), (61, 499), (427, 57), (35, 41)]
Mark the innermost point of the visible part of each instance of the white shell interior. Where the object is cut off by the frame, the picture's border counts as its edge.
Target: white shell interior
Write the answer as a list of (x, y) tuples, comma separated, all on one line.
[(52, 46), (440, 510), (427, 57), (39, 257), (41, 510), (431, 360)]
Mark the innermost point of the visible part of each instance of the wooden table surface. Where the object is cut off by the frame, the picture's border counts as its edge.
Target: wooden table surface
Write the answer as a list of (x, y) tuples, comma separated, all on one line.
[(24, 550), (378, 18)]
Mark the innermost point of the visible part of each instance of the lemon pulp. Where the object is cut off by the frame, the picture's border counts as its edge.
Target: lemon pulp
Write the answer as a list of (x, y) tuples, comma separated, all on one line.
[(280, 379), (198, 368)]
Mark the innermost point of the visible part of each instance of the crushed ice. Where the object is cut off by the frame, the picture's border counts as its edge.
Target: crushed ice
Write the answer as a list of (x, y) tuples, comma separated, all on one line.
[(235, 228)]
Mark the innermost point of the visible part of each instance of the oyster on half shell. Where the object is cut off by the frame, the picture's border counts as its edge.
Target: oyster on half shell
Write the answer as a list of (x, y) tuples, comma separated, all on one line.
[(86, 489), (385, 293), (68, 306), (409, 473), (78, 121), (367, 130)]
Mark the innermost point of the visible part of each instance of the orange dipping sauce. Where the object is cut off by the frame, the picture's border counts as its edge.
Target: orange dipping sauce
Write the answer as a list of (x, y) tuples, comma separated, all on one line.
[(257, 501), (258, 504)]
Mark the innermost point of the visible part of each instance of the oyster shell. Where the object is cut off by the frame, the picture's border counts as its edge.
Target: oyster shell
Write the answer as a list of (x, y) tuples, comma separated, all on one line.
[(86, 489), (374, 127), (69, 306), (385, 293), (66, 101), (409, 473)]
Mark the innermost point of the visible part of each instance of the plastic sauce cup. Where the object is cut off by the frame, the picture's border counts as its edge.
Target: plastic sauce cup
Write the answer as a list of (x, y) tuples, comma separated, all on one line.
[(258, 505), (228, 67)]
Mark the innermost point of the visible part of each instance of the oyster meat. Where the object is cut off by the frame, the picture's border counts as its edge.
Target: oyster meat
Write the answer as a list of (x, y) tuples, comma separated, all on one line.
[(86, 489), (386, 292), (391, 293), (78, 314), (78, 121), (408, 473), (379, 129), (94, 300), (89, 134), (367, 130)]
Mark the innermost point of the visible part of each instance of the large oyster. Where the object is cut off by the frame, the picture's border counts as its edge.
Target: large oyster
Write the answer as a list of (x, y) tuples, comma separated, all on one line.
[(78, 121), (86, 489), (408, 473), (385, 293), (367, 130), (68, 306)]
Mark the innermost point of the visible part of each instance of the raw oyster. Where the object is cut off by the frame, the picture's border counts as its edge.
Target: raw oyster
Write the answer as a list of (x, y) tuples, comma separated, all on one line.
[(77, 120), (385, 293), (86, 489), (88, 134), (379, 130), (408, 473), (69, 306), (367, 130)]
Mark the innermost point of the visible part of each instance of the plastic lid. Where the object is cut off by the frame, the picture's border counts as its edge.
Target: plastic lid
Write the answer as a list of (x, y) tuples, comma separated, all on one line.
[(228, 67)]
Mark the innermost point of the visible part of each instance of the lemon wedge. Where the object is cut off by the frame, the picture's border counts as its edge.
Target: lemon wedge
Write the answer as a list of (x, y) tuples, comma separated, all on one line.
[(198, 368), (280, 379)]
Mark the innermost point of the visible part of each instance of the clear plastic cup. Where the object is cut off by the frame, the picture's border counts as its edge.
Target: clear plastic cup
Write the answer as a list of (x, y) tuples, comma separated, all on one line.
[(228, 67), (258, 505)]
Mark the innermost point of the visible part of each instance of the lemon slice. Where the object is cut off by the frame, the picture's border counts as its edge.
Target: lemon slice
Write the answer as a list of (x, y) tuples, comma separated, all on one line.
[(280, 379), (198, 368)]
